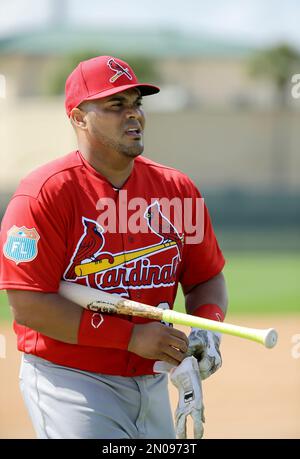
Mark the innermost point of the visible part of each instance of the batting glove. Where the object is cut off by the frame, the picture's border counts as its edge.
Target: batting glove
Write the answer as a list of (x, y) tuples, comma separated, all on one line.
[(162, 367), (186, 377), (204, 346)]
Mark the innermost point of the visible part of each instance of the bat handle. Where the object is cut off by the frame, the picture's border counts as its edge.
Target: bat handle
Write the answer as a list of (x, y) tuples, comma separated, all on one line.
[(266, 337)]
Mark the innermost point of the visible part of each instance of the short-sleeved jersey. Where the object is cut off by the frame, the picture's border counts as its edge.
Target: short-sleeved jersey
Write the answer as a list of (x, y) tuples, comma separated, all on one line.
[(67, 222)]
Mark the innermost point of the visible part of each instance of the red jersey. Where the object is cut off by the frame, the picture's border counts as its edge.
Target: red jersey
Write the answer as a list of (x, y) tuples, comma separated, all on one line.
[(66, 221)]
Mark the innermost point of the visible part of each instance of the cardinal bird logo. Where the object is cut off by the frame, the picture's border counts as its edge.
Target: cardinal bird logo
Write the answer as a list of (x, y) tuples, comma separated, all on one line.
[(88, 247), (115, 271), (160, 225), (118, 69)]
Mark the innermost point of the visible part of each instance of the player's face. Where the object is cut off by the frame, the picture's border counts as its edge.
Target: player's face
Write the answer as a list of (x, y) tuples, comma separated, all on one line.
[(117, 123)]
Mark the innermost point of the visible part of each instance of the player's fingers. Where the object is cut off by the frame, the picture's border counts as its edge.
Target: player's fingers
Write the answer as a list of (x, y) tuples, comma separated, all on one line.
[(179, 335), (166, 358), (172, 353), (179, 343)]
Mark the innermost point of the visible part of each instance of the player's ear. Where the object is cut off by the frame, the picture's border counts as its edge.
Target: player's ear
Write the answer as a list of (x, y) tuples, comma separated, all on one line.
[(78, 118)]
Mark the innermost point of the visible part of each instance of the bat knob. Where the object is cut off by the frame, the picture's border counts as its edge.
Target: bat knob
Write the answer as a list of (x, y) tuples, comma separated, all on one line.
[(271, 338)]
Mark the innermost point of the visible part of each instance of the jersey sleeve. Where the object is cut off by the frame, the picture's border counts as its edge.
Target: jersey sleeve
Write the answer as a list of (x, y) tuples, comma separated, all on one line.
[(202, 257), (33, 246)]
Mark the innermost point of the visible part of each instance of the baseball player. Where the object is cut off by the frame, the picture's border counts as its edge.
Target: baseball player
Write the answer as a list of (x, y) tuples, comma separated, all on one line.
[(99, 217)]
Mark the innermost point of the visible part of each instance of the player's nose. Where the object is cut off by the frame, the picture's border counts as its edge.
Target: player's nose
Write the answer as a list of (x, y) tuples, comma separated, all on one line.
[(134, 113)]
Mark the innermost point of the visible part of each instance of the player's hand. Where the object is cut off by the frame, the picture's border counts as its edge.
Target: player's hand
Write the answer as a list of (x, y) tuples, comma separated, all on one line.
[(186, 377), (158, 342), (204, 346)]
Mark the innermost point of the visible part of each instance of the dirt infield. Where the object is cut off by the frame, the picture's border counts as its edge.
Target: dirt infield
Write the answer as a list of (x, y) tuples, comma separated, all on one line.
[(255, 395)]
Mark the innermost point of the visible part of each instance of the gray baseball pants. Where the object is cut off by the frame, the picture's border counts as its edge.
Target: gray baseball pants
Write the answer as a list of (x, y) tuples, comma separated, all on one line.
[(68, 403)]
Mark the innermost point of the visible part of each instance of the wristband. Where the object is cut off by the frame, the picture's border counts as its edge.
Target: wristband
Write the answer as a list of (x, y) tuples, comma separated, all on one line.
[(103, 330), (209, 311)]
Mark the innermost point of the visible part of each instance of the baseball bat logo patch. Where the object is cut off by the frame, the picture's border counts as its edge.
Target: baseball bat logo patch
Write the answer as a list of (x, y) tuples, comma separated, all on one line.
[(21, 244), (118, 69)]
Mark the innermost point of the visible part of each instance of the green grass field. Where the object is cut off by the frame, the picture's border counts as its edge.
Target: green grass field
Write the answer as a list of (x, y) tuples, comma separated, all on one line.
[(258, 283)]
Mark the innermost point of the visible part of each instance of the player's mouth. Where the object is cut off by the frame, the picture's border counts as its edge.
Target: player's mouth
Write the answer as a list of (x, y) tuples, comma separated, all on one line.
[(134, 132)]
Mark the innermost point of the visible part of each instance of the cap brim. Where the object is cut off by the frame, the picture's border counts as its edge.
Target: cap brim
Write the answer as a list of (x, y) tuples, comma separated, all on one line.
[(146, 90)]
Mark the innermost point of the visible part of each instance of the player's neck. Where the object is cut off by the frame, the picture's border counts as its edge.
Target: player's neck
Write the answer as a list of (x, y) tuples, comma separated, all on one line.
[(114, 168)]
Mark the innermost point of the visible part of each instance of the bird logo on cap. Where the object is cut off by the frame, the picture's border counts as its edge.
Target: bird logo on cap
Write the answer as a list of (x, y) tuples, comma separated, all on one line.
[(118, 69)]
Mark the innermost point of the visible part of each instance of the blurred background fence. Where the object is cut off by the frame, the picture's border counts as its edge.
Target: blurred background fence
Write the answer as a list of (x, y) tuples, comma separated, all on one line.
[(253, 196)]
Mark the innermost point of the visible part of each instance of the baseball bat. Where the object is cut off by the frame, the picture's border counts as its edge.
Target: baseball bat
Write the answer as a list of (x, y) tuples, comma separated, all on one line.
[(99, 301)]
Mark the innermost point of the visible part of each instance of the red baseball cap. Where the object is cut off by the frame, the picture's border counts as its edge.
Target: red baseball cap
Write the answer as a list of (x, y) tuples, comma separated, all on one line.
[(100, 77)]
